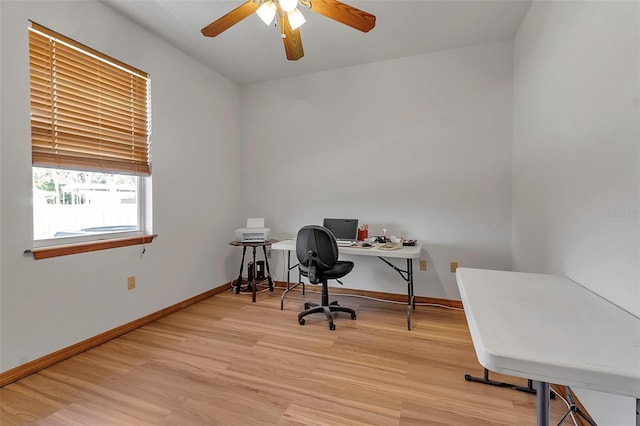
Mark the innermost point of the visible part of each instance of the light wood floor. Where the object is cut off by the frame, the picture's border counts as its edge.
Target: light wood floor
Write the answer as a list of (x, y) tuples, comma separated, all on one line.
[(226, 361)]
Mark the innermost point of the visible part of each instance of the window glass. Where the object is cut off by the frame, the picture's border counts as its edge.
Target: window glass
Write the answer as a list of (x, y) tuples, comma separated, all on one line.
[(68, 203)]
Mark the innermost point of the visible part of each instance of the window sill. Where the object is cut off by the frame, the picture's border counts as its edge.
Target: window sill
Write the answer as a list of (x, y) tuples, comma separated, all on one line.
[(63, 250)]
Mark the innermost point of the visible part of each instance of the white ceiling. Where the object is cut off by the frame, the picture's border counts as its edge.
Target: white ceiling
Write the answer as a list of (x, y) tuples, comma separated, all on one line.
[(250, 51)]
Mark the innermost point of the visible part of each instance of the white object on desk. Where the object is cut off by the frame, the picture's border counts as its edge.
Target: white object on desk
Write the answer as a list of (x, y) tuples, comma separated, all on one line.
[(550, 329), (255, 222), (254, 232), (407, 252)]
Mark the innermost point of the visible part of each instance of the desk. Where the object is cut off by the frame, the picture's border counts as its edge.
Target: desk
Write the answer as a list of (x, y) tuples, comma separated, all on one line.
[(252, 283), (551, 329), (408, 252)]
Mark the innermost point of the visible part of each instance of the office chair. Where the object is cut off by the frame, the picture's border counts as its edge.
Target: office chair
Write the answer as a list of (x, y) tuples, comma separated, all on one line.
[(317, 253)]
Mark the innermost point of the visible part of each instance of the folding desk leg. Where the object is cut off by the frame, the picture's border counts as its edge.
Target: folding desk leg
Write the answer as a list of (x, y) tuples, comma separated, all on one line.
[(573, 408), (409, 305), (486, 380), (410, 275), (542, 404), (288, 268), (239, 280), (284, 293), (411, 295), (266, 263), (408, 278), (289, 287), (253, 278)]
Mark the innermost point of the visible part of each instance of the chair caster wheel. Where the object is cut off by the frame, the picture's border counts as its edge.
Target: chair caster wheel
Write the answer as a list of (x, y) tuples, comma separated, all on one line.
[(353, 316), (301, 321), (332, 326)]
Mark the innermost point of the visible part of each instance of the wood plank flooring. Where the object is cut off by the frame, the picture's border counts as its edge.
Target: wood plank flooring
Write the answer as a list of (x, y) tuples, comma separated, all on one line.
[(226, 361)]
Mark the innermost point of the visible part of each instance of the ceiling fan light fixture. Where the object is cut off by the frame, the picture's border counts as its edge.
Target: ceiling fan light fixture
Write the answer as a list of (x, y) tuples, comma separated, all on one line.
[(267, 11), (288, 5), (290, 19), (296, 18)]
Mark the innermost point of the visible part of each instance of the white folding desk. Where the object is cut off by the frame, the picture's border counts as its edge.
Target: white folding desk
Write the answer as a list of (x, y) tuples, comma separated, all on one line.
[(551, 329), (407, 252)]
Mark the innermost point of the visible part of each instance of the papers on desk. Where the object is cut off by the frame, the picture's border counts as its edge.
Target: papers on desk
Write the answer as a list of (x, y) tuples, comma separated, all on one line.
[(389, 246), (360, 246)]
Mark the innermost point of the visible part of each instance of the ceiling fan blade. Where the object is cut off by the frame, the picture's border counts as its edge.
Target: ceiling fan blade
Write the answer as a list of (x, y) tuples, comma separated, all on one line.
[(291, 38), (343, 13), (230, 19)]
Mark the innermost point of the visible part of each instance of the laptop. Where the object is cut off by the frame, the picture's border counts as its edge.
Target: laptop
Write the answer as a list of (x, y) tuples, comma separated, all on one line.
[(345, 230)]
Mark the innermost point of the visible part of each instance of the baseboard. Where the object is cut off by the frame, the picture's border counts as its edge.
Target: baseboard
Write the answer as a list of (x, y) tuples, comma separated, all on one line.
[(388, 296), (43, 362)]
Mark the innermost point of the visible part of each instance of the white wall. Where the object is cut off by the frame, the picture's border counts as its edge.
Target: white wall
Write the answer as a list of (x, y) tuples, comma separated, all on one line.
[(576, 177), (419, 145), (50, 304)]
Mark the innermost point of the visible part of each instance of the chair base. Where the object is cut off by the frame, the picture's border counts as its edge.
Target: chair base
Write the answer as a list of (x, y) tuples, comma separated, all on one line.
[(313, 308)]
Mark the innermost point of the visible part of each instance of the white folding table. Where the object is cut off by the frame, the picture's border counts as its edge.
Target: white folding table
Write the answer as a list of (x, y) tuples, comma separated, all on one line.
[(407, 252), (551, 329)]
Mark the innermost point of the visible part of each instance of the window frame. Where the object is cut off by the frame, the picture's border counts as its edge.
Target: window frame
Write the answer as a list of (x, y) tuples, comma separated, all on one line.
[(59, 246)]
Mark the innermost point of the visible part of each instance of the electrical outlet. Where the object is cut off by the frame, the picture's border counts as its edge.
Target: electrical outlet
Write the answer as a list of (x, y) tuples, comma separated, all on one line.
[(454, 266), (423, 265), (131, 282)]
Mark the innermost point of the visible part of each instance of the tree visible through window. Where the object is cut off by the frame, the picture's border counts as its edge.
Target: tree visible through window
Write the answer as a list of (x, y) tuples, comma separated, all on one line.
[(90, 138)]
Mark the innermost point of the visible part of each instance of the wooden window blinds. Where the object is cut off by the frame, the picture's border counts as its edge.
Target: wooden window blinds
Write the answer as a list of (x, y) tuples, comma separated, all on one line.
[(88, 111)]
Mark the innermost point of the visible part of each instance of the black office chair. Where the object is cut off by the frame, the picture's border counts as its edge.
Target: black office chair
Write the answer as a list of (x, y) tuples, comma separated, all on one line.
[(317, 253)]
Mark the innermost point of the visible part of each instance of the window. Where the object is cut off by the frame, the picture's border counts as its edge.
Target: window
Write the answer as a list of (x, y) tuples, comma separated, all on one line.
[(90, 140)]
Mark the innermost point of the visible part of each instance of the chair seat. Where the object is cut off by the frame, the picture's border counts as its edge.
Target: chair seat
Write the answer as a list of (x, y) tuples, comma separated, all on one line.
[(339, 270)]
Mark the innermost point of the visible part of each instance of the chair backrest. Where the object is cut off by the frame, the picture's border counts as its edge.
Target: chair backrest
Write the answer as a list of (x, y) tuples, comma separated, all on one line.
[(321, 242)]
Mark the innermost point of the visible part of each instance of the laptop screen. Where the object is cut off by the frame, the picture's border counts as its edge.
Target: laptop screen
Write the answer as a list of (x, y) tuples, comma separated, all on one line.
[(343, 229)]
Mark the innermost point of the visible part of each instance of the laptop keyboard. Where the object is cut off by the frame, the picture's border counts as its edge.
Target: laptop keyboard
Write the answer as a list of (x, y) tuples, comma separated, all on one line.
[(343, 243)]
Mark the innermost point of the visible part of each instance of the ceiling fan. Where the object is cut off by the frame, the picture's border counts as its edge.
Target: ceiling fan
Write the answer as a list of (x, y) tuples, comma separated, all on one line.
[(290, 19)]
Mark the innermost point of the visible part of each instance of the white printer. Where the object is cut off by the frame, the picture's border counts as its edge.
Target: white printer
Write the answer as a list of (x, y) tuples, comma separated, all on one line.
[(255, 232)]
